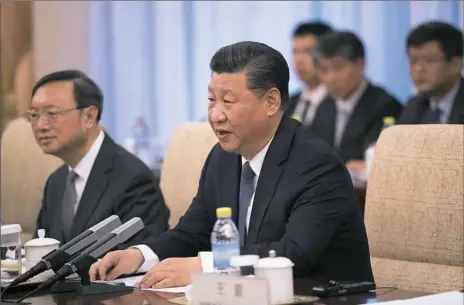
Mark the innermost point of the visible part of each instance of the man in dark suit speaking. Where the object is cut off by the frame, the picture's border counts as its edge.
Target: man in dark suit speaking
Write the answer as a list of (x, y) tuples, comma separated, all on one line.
[(99, 177), (303, 205)]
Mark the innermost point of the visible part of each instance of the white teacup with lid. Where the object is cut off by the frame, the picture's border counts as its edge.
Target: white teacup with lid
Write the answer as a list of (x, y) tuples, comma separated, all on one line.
[(36, 249), (279, 273)]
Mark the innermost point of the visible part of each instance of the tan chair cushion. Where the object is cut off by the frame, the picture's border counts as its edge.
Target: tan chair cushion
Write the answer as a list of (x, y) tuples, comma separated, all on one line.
[(24, 171), (182, 165), (414, 203), (416, 276)]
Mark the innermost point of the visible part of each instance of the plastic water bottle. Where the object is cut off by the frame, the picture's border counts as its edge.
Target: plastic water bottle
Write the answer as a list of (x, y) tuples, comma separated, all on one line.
[(141, 138), (225, 242)]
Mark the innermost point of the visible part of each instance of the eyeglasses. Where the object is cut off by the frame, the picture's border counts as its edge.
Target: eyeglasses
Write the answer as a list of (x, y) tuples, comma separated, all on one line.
[(48, 115), (425, 60)]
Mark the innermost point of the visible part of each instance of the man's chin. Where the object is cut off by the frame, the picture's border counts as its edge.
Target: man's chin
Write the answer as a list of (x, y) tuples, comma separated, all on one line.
[(49, 150), (228, 147)]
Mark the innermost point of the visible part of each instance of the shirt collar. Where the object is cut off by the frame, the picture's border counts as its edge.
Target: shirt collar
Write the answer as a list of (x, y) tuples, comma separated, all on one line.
[(348, 104), (84, 167), (257, 162), (316, 96), (445, 104)]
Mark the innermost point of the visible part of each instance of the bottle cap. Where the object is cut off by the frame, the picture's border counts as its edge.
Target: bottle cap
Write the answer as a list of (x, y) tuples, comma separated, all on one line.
[(223, 212), (388, 120)]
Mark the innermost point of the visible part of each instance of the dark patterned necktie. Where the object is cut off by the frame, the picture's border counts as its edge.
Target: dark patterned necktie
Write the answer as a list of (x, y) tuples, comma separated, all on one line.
[(69, 204), (247, 190), (431, 116), (305, 111)]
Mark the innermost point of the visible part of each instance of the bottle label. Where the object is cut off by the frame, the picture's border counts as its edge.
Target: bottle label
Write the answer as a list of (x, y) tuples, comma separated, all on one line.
[(222, 253)]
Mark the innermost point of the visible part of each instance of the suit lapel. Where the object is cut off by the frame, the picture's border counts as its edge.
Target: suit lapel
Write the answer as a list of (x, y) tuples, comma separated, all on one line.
[(96, 185), (324, 121), (292, 104), (457, 112), (229, 182), (269, 177), (360, 117)]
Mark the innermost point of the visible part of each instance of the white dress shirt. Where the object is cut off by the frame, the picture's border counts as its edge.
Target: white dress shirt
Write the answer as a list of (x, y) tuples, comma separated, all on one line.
[(446, 103), (315, 97), (151, 259), (84, 167), (345, 108)]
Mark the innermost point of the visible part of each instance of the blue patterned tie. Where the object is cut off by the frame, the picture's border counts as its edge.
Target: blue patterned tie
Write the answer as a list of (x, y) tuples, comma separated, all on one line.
[(247, 189)]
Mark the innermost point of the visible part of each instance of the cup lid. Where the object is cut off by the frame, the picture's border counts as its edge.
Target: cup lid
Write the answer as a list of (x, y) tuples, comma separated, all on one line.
[(42, 240), (273, 262), (243, 260)]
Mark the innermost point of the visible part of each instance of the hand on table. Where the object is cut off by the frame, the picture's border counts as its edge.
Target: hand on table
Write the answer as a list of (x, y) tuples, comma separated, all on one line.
[(172, 272), (115, 264)]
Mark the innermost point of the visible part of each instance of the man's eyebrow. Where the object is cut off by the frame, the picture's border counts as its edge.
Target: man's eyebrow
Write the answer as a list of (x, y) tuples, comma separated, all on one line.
[(222, 90)]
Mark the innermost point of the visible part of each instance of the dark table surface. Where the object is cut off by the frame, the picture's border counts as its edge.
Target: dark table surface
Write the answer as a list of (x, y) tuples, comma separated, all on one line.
[(302, 287)]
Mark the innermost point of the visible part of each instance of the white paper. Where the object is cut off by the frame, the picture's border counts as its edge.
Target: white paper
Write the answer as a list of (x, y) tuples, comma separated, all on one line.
[(133, 281), (448, 298)]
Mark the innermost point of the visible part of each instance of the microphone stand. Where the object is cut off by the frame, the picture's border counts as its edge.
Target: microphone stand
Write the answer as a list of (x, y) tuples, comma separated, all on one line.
[(84, 286), (82, 262)]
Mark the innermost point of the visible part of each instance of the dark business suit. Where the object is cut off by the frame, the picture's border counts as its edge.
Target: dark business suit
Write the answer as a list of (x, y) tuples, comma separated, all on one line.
[(290, 109), (364, 125), (118, 184), (418, 105), (304, 208)]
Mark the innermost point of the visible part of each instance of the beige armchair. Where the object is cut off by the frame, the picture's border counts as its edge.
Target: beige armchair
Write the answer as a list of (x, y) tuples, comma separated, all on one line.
[(415, 208), (24, 170), (182, 166)]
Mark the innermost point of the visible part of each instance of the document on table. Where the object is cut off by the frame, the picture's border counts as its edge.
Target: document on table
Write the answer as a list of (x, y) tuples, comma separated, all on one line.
[(448, 298), (133, 281)]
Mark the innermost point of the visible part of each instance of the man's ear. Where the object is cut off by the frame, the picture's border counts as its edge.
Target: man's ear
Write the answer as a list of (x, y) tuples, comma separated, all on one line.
[(456, 62), (273, 101), (91, 114)]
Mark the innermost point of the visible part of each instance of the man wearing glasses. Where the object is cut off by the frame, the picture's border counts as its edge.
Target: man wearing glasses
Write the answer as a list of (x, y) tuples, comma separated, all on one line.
[(99, 177), (435, 51)]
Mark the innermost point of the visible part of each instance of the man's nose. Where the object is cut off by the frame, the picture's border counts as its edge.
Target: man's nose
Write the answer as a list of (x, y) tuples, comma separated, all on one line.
[(216, 114), (42, 123)]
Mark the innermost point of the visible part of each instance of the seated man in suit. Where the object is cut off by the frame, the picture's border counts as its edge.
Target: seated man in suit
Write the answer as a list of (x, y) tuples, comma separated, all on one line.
[(300, 203), (435, 51), (352, 118), (99, 177), (303, 105)]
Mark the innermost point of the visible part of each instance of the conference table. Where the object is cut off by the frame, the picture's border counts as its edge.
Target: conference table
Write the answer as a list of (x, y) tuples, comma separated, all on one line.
[(138, 297)]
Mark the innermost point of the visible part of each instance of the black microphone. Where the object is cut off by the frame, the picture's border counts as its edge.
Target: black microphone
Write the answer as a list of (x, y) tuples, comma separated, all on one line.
[(57, 258), (93, 253)]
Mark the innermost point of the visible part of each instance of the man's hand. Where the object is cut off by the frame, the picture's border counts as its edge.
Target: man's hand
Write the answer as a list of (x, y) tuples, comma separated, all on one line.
[(115, 264), (171, 272)]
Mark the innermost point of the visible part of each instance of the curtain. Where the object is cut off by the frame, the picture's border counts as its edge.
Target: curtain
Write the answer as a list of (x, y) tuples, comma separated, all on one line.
[(151, 58)]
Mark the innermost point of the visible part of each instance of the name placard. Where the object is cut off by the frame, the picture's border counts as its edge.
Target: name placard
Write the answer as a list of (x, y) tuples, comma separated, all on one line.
[(216, 289)]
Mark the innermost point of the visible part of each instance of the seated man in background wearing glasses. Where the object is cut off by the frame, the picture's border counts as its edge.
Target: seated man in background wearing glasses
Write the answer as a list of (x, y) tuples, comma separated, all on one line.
[(99, 177)]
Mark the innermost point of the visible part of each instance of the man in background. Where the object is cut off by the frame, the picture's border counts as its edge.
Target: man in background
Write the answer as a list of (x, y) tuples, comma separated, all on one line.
[(352, 118), (303, 105), (435, 51), (98, 178)]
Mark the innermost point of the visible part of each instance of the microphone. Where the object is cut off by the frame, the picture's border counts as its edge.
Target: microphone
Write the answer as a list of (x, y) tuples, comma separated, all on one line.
[(57, 258), (94, 252)]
